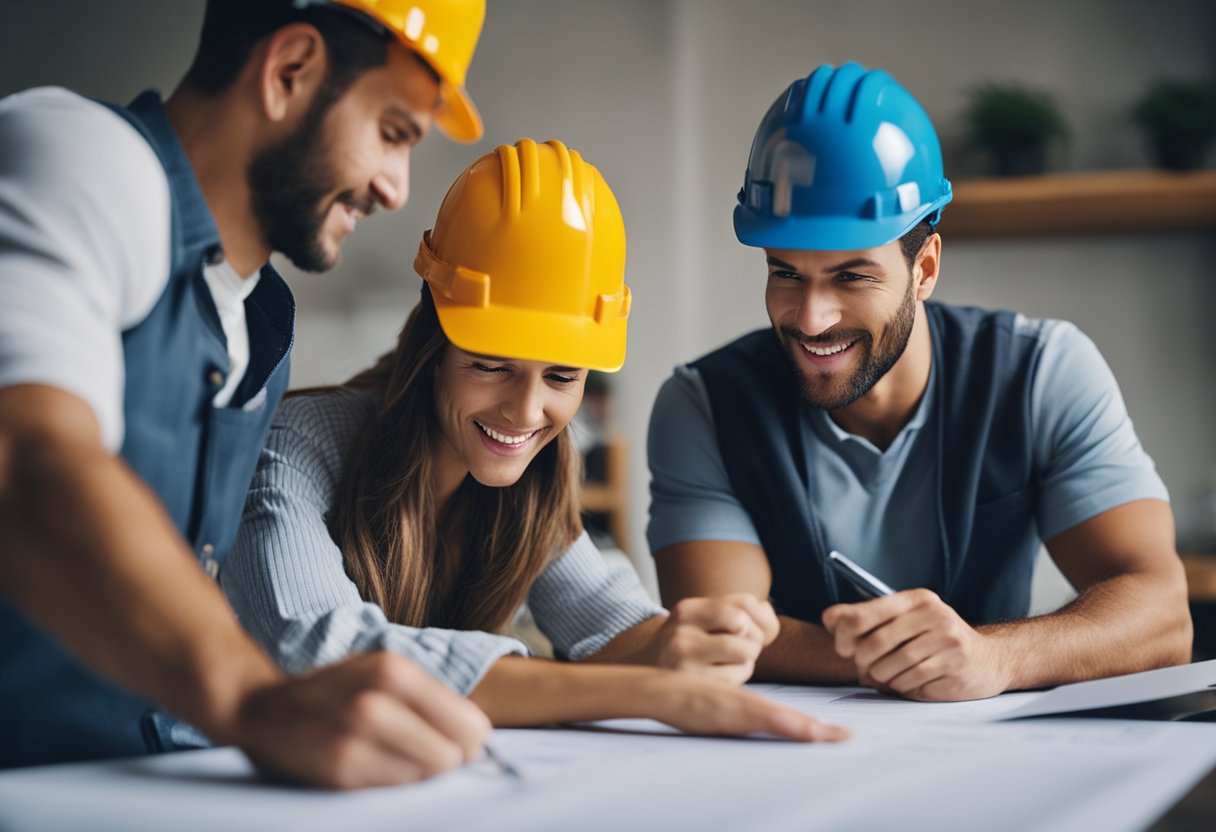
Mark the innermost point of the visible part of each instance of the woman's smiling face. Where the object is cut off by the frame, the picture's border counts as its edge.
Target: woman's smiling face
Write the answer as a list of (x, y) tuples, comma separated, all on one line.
[(495, 414)]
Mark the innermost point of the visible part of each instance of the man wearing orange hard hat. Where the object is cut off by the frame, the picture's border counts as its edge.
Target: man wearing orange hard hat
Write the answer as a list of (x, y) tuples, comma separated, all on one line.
[(144, 347)]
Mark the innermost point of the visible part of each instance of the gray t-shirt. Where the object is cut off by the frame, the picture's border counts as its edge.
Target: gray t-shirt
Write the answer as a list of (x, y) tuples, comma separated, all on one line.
[(286, 580), (878, 506)]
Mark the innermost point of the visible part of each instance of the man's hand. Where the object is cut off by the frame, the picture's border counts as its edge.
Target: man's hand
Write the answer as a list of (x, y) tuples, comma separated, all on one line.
[(913, 644), (375, 719), (719, 637)]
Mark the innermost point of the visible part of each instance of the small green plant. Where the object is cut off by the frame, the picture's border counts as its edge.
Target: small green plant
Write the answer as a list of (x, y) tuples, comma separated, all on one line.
[(1015, 123), (1179, 120)]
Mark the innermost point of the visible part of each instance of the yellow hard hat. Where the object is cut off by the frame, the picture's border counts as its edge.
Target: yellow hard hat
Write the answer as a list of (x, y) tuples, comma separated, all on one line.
[(527, 259), (444, 34)]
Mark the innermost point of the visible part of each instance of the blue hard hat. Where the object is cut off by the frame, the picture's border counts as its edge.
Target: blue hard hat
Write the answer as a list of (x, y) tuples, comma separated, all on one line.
[(845, 159)]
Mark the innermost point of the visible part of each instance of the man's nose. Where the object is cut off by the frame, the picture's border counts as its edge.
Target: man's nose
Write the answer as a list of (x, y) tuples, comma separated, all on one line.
[(818, 311), (392, 185)]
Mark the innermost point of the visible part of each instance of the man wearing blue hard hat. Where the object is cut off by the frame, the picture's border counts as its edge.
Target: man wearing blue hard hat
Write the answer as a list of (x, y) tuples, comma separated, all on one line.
[(938, 447)]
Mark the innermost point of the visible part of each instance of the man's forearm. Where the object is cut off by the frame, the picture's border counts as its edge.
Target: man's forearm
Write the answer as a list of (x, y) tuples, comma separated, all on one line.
[(633, 646), (1124, 624), (91, 557), (803, 654)]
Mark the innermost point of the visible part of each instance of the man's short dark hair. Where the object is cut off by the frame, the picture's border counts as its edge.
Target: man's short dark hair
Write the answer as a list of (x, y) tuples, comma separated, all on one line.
[(231, 29), (912, 242)]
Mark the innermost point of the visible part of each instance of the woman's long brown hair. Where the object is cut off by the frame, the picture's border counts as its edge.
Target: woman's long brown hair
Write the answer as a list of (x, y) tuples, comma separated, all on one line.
[(469, 566)]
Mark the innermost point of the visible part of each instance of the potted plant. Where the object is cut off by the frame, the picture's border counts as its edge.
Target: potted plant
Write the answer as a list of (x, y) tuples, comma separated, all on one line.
[(1015, 124), (1179, 120)]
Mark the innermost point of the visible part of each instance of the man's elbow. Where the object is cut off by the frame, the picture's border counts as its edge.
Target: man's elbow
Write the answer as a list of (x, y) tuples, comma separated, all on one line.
[(1177, 629)]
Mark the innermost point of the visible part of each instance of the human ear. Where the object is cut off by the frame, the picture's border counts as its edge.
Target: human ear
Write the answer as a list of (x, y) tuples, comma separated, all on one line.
[(294, 63), (926, 266)]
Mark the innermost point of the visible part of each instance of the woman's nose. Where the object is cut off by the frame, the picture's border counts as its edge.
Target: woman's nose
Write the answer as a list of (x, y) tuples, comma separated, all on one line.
[(526, 407)]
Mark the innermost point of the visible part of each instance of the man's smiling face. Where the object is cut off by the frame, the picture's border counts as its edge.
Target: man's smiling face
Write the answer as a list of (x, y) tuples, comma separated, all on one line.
[(843, 317), (344, 160)]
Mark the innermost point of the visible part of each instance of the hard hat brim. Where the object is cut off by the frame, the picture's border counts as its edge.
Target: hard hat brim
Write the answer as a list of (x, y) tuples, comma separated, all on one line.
[(529, 335), (457, 116), (816, 233)]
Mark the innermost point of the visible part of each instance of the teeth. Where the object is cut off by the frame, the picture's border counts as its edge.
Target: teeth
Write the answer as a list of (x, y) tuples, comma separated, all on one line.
[(825, 351), (503, 438)]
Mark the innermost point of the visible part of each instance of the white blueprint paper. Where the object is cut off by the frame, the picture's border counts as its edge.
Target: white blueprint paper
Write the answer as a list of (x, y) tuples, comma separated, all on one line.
[(1122, 690), (909, 767)]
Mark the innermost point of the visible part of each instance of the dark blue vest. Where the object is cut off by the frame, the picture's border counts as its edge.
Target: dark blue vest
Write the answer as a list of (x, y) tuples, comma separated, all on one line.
[(197, 458), (986, 484)]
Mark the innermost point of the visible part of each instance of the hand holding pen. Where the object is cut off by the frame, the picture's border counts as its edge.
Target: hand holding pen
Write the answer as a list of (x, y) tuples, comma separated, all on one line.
[(912, 643)]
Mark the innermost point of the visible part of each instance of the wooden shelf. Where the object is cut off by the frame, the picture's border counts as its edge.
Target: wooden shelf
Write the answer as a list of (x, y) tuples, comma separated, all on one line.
[(1200, 576), (1101, 202), (611, 497)]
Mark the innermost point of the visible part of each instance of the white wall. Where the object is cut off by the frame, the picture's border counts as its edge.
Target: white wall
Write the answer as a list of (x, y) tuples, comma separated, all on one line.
[(663, 96)]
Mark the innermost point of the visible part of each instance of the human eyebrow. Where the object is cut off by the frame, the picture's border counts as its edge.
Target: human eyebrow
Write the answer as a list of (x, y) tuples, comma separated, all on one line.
[(558, 368), (482, 357), (780, 264), (855, 263)]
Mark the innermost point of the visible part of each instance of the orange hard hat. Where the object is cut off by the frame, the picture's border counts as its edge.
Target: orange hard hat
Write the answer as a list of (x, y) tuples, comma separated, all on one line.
[(443, 33)]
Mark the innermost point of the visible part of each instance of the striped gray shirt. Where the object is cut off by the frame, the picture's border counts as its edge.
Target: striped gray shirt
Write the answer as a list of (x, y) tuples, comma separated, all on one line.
[(286, 582)]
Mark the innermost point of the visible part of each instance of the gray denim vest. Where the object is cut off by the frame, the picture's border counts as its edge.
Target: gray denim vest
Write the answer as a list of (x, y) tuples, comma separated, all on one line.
[(985, 479), (197, 458)]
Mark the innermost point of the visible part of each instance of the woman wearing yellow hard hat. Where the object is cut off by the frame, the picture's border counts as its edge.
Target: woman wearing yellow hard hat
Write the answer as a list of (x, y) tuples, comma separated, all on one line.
[(416, 506)]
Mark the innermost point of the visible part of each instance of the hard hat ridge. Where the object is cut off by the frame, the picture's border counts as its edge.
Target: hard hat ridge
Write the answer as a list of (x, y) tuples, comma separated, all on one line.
[(522, 174), (840, 91)]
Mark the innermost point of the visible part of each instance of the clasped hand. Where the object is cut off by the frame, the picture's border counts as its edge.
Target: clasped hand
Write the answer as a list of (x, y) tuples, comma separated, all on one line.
[(720, 637), (914, 644)]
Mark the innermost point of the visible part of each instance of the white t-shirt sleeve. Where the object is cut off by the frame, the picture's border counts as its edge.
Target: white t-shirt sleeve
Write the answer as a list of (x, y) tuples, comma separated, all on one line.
[(84, 246)]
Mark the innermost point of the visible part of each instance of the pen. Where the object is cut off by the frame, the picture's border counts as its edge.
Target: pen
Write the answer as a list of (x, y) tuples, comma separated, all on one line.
[(865, 583), (504, 765)]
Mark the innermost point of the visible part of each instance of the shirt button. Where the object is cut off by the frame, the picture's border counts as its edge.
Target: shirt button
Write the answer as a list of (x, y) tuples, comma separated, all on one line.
[(216, 378), (210, 565)]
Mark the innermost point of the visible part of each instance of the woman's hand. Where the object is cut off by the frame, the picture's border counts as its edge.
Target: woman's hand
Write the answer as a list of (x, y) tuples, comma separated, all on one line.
[(714, 707), (519, 692), (711, 706), (719, 637)]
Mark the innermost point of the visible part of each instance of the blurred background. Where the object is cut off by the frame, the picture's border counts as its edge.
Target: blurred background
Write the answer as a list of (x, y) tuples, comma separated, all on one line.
[(664, 95)]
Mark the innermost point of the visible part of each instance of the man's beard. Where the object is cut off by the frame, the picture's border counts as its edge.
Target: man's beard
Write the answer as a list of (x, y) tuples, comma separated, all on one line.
[(290, 182), (873, 364)]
